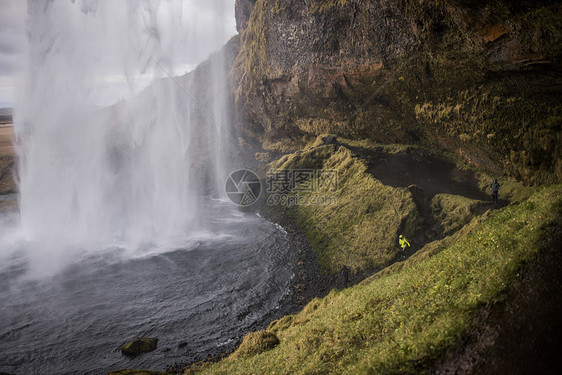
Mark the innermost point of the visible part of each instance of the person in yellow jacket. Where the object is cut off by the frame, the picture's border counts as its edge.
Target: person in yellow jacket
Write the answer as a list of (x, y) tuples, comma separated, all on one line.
[(403, 242)]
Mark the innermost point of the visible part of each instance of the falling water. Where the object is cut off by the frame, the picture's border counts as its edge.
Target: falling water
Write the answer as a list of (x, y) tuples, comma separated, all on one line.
[(123, 232), (131, 174)]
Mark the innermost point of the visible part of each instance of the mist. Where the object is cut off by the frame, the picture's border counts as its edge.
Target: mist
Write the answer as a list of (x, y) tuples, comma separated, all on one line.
[(93, 178)]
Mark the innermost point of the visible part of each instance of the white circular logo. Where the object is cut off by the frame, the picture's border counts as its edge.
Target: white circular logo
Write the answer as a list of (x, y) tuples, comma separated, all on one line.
[(243, 187)]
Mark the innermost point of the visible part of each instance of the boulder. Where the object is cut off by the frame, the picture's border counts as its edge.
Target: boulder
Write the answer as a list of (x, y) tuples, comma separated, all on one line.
[(139, 345)]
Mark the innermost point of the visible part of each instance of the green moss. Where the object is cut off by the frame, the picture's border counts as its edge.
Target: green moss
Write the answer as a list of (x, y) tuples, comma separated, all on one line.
[(255, 343), (540, 30), (279, 7), (355, 223), (399, 321), (510, 190), (280, 324), (392, 148), (518, 123), (285, 145), (315, 125), (447, 92), (454, 211), (139, 345), (450, 94), (325, 5), (251, 63), (510, 117)]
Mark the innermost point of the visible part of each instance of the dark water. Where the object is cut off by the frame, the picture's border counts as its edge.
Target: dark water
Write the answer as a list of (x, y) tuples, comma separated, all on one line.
[(207, 296)]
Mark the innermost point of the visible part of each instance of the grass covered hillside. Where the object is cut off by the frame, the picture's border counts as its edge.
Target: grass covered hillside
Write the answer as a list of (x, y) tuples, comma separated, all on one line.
[(381, 192), (403, 319), (360, 230), (417, 312)]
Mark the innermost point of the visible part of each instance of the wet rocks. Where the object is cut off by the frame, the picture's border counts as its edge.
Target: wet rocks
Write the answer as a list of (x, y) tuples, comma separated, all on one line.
[(139, 345)]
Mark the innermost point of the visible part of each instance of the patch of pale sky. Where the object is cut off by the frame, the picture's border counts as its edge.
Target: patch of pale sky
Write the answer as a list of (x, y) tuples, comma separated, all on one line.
[(189, 31)]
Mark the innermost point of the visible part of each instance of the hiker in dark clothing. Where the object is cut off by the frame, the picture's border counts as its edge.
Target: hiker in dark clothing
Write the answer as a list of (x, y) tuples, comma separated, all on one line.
[(495, 186), (345, 275)]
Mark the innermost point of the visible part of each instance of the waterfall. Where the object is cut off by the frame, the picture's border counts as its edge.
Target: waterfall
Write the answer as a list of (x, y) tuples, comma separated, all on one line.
[(132, 173)]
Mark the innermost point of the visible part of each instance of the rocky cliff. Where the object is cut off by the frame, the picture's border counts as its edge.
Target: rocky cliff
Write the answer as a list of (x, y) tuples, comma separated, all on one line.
[(481, 79)]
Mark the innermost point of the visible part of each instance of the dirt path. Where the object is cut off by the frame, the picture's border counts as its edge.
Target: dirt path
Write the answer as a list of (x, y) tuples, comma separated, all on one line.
[(425, 175), (432, 174)]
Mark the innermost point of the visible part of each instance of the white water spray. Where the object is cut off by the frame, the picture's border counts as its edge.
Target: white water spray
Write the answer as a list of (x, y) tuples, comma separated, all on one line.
[(130, 174)]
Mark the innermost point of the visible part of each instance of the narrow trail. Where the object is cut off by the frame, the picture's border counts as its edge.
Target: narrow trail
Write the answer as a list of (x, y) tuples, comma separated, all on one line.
[(425, 175)]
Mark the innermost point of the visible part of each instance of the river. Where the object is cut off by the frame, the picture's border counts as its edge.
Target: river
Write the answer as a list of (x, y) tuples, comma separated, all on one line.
[(198, 299)]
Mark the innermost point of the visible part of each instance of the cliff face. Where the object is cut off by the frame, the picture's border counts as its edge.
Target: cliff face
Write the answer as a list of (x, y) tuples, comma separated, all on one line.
[(481, 79)]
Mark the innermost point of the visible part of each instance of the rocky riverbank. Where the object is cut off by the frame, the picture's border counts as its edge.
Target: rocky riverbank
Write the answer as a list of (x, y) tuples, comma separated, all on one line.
[(308, 283)]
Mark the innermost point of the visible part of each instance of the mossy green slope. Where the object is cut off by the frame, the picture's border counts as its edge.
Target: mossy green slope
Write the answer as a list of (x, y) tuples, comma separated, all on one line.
[(356, 224), (401, 320), (453, 211)]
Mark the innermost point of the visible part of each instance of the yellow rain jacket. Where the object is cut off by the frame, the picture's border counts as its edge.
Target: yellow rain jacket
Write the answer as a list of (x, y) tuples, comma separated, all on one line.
[(403, 241)]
